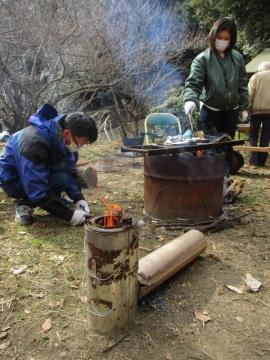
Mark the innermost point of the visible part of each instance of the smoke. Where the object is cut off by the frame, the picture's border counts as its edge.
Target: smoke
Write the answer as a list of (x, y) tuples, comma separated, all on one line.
[(143, 36)]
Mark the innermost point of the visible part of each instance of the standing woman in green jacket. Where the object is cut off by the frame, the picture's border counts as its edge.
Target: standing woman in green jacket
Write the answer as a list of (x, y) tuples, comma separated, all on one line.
[(218, 79)]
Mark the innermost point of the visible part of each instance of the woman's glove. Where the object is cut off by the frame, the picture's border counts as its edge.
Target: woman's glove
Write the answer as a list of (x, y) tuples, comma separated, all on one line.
[(189, 107), (78, 217), (82, 205), (244, 116)]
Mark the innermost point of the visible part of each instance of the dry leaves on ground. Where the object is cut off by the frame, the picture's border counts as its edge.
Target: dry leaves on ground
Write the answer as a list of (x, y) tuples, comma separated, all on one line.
[(252, 283), (46, 326), (168, 356), (235, 289), (84, 299), (17, 270), (203, 317), (4, 345)]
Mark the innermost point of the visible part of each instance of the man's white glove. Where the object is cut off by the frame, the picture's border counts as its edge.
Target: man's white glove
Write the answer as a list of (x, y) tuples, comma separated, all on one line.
[(82, 205), (189, 107), (78, 217), (244, 116)]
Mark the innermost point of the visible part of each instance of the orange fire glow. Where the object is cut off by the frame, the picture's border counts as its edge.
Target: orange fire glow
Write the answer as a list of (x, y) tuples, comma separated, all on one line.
[(112, 214), (200, 153)]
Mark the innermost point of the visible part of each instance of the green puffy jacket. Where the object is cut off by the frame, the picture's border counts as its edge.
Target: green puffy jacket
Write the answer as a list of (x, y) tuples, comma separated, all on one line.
[(218, 82)]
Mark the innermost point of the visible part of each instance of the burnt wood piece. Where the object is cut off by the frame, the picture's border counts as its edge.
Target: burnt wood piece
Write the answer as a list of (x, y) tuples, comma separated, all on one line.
[(159, 149), (87, 176)]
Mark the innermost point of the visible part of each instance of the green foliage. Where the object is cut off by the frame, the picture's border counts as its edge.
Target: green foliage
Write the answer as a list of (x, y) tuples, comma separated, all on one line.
[(173, 104), (250, 16), (36, 242), (249, 199)]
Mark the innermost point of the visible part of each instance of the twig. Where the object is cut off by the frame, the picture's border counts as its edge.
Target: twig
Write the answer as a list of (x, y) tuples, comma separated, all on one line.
[(211, 224), (206, 353), (263, 303), (145, 249), (114, 344), (25, 332), (57, 333), (240, 329), (151, 340), (6, 319)]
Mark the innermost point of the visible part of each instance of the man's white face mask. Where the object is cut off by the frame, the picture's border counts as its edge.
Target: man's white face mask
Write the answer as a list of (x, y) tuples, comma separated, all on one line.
[(222, 45), (74, 146)]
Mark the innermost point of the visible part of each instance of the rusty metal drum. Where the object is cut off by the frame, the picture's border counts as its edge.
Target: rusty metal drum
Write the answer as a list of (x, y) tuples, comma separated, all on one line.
[(183, 185), (111, 270)]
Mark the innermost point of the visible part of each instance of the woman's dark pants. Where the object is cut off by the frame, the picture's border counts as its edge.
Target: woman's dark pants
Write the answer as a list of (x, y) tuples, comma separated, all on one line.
[(217, 123), (256, 120)]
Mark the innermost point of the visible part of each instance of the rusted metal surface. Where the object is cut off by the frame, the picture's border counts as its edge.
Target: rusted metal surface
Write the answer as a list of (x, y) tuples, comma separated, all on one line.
[(183, 185), (102, 257), (111, 265), (177, 149)]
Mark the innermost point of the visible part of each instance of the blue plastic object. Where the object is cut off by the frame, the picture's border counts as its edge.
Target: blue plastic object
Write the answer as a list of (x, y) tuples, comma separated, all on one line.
[(187, 134)]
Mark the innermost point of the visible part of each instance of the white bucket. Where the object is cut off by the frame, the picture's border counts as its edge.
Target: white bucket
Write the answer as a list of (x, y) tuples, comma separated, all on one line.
[(105, 164)]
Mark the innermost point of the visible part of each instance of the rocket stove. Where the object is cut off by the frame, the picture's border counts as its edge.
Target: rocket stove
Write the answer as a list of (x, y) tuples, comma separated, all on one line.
[(115, 278), (111, 249)]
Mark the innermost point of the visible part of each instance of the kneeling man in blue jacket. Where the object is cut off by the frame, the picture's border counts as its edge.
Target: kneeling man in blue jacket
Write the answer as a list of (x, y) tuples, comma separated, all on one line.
[(38, 163)]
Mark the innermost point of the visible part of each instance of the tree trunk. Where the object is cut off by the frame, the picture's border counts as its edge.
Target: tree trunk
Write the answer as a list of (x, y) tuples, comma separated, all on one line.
[(117, 107)]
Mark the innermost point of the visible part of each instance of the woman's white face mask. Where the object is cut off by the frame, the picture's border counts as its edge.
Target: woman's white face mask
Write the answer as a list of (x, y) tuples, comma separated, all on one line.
[(222, 45)]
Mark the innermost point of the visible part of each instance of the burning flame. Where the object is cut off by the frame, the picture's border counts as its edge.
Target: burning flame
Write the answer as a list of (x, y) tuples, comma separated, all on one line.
[(200, 153), (112, 214)]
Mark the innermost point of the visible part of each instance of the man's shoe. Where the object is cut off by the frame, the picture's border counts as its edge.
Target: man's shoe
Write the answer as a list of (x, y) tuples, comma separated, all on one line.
[(24, 214)]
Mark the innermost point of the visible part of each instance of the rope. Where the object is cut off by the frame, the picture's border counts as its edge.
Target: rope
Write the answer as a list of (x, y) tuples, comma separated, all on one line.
[(104, 314)]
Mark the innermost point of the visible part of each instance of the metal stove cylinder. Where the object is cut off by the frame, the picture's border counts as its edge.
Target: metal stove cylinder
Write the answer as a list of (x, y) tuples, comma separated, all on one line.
[(111, 265), (183, 185)]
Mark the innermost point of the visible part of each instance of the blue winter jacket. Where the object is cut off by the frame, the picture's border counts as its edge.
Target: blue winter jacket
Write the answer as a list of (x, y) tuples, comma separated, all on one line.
[(32, 154)]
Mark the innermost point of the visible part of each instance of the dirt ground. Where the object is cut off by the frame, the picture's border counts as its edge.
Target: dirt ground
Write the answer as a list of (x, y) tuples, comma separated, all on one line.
[(51, 287)]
